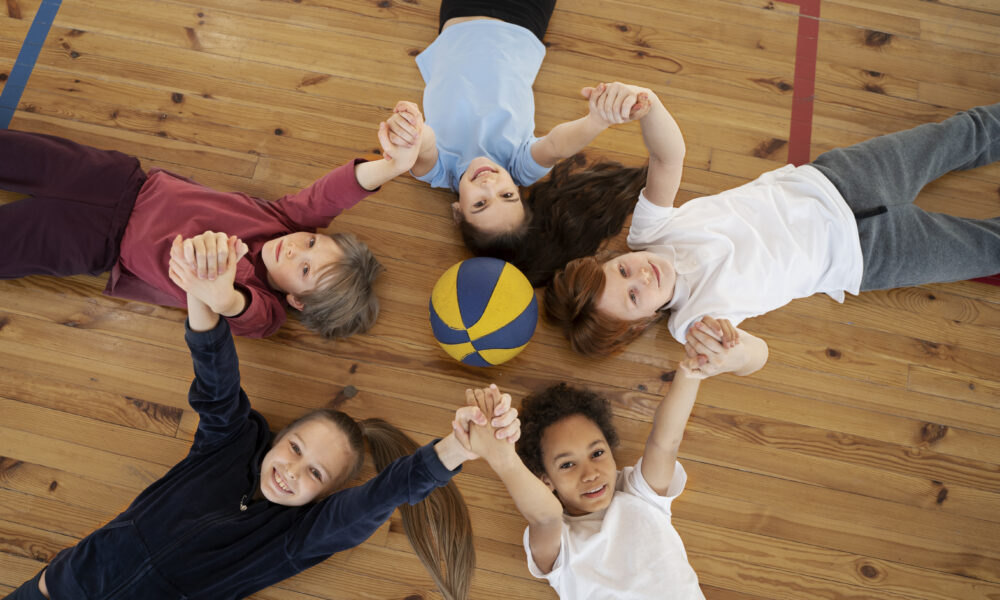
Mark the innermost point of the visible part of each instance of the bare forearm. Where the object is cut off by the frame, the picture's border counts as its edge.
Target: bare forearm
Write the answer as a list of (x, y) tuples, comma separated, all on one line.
[(372, 174), (533, 499), (450, 452), (231, 306), (672, 414), (200, 316), (428, 152), (566, 139), (662, 135), (664, 440)]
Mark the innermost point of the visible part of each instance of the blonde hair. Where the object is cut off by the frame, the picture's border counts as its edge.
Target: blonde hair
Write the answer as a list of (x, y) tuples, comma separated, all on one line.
[(344, 303), (438, 527)]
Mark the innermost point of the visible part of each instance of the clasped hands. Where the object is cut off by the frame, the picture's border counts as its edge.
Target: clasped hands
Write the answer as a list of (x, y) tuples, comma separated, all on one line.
[(490, 439), (205, 267), (713, 346)]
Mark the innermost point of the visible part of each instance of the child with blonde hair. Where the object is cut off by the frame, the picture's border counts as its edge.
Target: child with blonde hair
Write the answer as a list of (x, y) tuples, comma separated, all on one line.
[(92, 211)]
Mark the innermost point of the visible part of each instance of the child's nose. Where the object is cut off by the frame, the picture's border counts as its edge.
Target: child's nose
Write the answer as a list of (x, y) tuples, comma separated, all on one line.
[(647, 275)]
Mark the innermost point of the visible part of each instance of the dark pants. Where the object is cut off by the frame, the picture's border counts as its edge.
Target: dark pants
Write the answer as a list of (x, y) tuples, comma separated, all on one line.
[(28, 590), (80, 199), (902, 244), (533, 15)]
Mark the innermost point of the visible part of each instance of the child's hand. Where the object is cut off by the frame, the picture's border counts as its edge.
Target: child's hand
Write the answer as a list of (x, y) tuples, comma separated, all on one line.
[(713, 346), (217, 293), (401, 134), (405, 124), (496, 438), (402, 158), (614, 103), (207, 253)]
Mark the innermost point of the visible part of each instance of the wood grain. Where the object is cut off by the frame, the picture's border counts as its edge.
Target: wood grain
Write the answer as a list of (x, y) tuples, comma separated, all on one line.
[(861, 463)]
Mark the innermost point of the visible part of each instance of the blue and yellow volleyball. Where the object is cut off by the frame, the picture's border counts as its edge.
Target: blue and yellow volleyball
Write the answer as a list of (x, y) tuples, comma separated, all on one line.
[(483, 311)]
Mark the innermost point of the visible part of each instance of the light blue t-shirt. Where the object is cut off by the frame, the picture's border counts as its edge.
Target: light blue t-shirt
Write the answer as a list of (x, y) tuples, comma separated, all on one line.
[(478, 99)]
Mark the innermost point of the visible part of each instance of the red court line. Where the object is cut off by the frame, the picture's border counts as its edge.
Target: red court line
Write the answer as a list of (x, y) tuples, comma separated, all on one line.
[(804, 91), (804, 86)]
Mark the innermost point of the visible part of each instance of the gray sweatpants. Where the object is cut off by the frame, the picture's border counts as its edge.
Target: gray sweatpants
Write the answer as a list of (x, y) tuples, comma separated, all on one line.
[(902, 244)]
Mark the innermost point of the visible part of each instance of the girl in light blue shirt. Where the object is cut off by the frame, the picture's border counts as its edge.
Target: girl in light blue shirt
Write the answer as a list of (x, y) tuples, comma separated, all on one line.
[(479, 140)]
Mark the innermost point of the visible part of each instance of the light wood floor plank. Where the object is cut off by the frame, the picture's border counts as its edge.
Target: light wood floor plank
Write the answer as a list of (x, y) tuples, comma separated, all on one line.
[(861, 463)]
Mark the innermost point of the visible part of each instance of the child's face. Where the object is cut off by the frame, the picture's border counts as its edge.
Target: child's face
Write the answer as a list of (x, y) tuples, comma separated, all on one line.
[(636, 285), (305, 463), (579, 465), (488, 198), (295, 261)]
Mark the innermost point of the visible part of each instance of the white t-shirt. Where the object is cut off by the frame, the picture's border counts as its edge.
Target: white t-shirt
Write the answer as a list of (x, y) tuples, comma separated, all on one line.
[(628, 551), (749, 250), (478, 99)]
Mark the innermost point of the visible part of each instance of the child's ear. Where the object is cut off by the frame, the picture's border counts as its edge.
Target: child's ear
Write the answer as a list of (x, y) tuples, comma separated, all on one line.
[(548, 482), (456, 212), (294, 302)]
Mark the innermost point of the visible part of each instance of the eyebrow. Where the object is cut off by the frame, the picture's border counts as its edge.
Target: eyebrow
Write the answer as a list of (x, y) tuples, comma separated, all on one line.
[(557, 457), (319, 467)]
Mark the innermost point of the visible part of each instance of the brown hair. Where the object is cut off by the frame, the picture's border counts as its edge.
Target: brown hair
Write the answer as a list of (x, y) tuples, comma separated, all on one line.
[(568, 215), (570, 303), (343, 302), (438, 527)]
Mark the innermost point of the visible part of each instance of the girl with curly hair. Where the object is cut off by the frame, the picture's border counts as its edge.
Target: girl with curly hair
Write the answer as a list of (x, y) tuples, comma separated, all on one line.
[(594, 530)]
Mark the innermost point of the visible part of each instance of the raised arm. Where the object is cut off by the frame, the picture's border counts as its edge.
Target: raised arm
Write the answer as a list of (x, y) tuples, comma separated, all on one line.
[(201, 269), (533, 499), (715, 346), (665, 144), (397, 158), (609, 104), (671, 417), (660, 455), (215, 392), (200, 316), (408, 479), (407, 129)]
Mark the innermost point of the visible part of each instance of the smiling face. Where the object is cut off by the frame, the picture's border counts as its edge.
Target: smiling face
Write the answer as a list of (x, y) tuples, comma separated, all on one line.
[(636, 285), (295, 262), (579, 465), (305, 463), (488, 198)]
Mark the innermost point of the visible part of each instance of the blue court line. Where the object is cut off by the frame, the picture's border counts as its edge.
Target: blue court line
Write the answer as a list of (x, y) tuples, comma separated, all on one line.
[(25, 63)]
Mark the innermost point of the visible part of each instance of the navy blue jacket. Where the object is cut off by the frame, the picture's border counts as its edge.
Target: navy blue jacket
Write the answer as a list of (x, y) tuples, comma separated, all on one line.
[(185, 535)]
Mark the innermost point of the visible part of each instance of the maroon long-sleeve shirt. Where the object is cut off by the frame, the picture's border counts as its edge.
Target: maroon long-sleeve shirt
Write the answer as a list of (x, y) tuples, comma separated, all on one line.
[(169, 204)]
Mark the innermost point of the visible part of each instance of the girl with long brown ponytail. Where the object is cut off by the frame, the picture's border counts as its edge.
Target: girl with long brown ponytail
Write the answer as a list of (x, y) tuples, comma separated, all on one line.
[(246, 508)]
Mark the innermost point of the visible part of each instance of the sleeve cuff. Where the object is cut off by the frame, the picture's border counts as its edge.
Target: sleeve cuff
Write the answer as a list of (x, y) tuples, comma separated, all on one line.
[(207, 338), (357, 185), (437, 470)]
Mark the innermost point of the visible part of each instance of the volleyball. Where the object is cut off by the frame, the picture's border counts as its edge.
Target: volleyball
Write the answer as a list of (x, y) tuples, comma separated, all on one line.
[(483, 311)]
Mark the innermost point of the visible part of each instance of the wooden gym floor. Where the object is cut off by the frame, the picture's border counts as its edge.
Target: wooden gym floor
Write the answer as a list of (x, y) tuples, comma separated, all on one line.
[(862, 462)]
